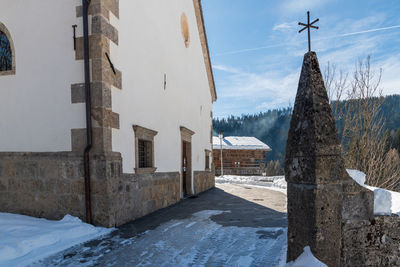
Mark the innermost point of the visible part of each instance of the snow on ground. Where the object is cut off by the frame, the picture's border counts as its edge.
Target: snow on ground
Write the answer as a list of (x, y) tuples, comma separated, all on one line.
[(195, 241), (306, 259), (25, 239), (386, 202), (276, 183)]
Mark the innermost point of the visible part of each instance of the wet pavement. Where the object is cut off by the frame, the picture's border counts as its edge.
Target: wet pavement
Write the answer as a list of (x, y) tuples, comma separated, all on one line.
[(230, 225)]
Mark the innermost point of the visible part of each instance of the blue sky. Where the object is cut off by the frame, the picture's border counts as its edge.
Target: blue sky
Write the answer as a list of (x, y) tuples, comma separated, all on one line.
[(256, 50)]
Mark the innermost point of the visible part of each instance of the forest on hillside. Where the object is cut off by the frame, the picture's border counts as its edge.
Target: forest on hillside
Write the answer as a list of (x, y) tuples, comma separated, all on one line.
[(272, 126)]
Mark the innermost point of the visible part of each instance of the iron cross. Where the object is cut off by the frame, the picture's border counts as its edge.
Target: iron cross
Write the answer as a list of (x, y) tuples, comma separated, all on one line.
[(308, 26)]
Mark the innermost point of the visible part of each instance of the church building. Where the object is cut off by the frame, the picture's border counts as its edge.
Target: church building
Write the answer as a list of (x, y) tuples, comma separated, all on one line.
[(105, 107)]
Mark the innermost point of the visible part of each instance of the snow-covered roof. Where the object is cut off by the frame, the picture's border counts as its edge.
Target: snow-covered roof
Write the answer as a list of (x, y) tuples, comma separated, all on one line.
[(240, 142)]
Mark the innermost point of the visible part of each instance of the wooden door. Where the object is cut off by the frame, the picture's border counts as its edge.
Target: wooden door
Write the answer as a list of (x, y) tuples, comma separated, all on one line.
[(184, 168)]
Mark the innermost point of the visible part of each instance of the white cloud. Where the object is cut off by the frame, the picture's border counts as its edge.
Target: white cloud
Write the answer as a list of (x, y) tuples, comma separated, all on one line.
[(343, 32), (358, 44), (257, 90), (264, 105), (344, 44), (346, 54), (225, 68), (285, 26), (390, 76)]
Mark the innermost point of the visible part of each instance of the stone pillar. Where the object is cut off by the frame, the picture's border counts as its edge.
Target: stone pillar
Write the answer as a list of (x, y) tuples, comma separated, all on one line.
[(103, 78), (314, 170), (106, 165)]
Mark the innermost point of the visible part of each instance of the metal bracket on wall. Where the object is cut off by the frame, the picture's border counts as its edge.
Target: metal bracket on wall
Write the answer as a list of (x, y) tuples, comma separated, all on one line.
[(111, 64), (74, 28)]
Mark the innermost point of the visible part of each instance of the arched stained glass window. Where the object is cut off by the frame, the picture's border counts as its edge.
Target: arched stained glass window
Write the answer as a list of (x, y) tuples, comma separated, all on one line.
[(5, 53)]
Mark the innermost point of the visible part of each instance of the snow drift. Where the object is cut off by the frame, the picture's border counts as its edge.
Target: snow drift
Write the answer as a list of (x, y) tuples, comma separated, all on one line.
[(25, 239), (306, 259), (386, 202), (277, 183)]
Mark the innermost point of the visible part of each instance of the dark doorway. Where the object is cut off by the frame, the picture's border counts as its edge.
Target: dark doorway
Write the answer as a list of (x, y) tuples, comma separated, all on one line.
[(186, 168)]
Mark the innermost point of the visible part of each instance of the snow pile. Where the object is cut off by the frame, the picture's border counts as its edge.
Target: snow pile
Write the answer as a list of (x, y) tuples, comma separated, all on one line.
[(251, 180), (382, 202), (277, 183), (357, 176), (268, 181), (306, 259), (25, 239), (386, 202)]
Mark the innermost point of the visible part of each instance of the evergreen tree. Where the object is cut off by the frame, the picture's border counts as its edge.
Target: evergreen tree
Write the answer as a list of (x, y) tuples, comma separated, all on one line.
[(272, 126)]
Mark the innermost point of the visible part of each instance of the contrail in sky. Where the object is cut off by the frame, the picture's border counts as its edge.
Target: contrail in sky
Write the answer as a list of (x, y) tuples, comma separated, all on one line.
[(366, 31), (284, 44)]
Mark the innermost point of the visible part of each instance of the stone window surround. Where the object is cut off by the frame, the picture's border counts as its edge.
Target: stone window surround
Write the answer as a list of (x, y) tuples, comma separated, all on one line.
[(4, 29), (142, 133), (208, 154), (186, 134)]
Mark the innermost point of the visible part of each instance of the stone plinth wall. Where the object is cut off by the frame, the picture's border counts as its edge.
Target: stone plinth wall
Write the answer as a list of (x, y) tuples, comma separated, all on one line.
[(51, 185), (42, 184), (136, 195), (203, 180), (373, 242)]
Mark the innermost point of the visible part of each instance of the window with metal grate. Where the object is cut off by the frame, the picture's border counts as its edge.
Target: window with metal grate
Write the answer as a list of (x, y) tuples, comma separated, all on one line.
[(145, 154)]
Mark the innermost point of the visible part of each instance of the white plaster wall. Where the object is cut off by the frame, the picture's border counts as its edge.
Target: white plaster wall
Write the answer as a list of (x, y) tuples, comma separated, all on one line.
[(36, 113), (151, 44)]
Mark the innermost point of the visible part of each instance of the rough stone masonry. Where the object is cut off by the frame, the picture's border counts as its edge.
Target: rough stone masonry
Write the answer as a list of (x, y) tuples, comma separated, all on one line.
[(321, 195)]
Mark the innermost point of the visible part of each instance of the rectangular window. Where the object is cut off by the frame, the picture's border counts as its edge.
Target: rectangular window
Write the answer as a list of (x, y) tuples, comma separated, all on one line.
[(207, 161), (145, 154), (144, 150)]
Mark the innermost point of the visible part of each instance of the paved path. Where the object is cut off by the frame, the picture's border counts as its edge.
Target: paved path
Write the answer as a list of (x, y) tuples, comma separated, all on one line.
[(230, 225)]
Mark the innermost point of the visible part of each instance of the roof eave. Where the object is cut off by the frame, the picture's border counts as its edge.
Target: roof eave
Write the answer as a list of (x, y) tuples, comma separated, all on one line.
[(240, 148), (206, 52)]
